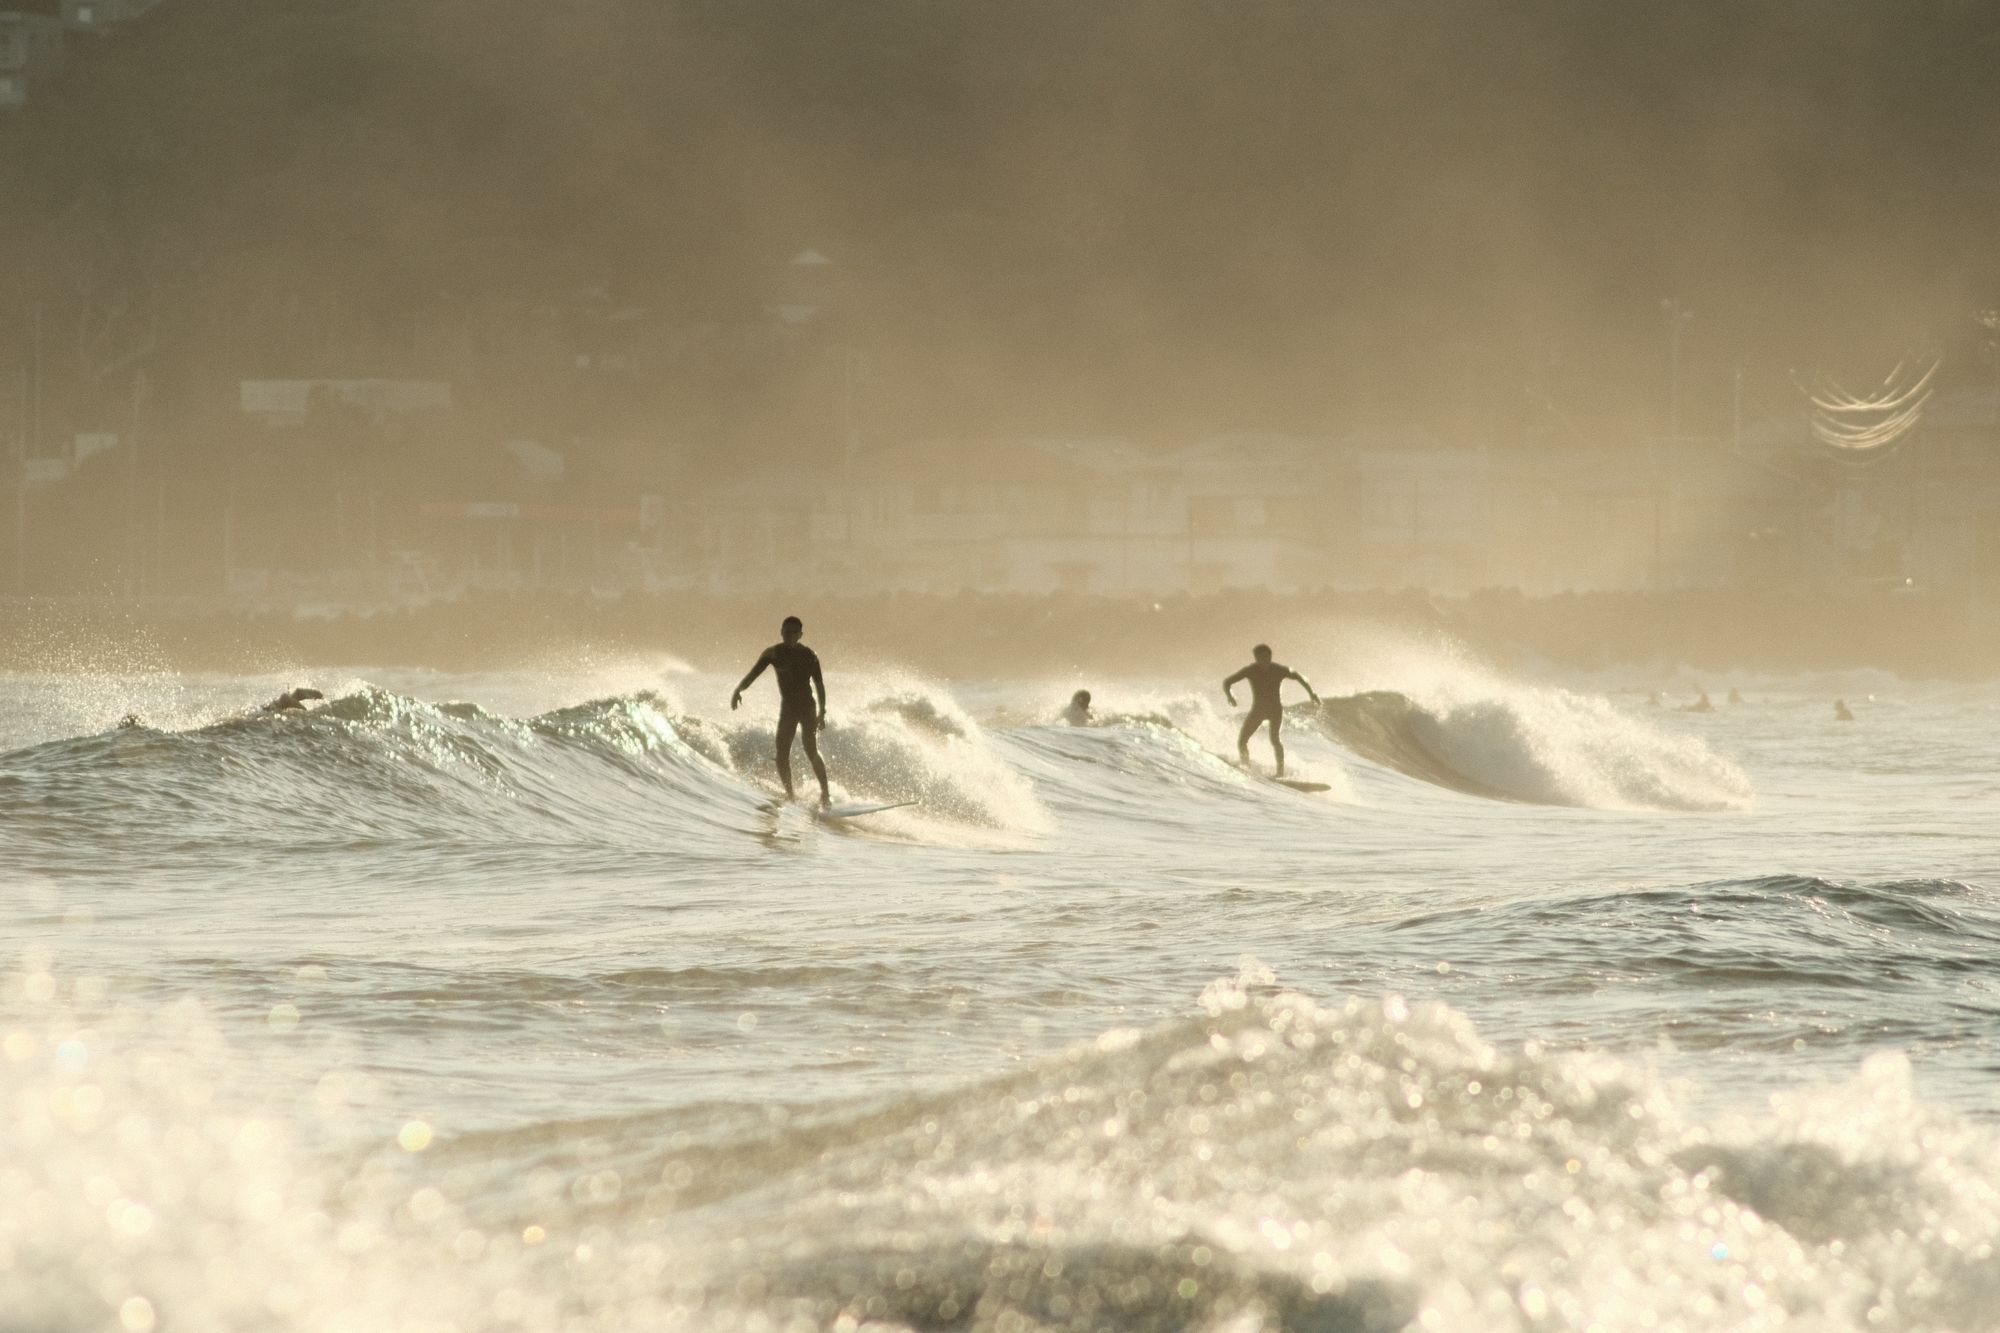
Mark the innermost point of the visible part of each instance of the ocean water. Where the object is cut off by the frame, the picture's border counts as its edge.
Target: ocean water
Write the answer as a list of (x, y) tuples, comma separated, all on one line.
[(516, 1001)]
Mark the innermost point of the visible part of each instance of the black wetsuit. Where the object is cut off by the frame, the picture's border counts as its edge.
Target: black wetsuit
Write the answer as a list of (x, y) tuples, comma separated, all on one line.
[(1265, 679), (1267, 682), (796, 667)]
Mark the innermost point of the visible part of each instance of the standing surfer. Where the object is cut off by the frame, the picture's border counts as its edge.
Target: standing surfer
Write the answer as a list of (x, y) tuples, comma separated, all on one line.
[(1267, 681), (797, 669)]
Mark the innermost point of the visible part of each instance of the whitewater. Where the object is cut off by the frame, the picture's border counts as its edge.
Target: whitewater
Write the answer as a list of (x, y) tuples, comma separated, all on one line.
[(518, 1001)]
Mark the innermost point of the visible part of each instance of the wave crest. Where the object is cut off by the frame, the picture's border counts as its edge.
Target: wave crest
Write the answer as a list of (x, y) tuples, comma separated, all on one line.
[(1544, 746)]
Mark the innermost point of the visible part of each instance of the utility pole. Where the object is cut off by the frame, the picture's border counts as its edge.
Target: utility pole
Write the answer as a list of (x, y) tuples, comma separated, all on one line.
[(21, 489), (1736, 413), (1678, 314), (229, 537), (35, 412), (850, 440), (135, 523), (1990, 321)]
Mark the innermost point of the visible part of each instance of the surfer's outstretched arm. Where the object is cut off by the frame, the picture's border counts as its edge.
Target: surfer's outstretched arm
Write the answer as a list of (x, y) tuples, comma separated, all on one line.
[(1228, 686), (1308, 684), (736, 699)]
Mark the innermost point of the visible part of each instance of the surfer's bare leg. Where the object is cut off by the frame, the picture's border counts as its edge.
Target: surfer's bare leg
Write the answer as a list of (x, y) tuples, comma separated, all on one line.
[(1278, 746), (809, 733), (1250, 725), (786, 726)]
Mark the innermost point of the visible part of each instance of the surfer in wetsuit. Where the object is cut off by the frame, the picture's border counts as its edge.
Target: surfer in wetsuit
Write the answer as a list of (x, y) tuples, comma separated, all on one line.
[(1078, 713), (797, 669), (1267, 681)]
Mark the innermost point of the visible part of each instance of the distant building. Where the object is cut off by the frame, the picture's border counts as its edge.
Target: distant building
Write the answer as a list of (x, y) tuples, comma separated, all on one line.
[(90, 444), (1422, 516), (291, 402), (31, 49), (805, 291), (102, 14), (1925, 520), (1255, 511), (1094, 516), (535, 461)]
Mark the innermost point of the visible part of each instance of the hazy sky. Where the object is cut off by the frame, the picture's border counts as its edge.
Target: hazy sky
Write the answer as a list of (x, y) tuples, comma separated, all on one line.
[(1171, 216)]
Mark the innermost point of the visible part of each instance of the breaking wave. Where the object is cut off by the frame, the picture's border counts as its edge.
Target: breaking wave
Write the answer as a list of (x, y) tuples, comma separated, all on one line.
[(639, 772), (375, 767), (1549, 747)]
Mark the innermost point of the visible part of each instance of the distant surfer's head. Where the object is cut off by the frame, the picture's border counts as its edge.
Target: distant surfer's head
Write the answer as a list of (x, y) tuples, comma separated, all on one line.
[(1081, 699), (1262, 652), (792, 628)]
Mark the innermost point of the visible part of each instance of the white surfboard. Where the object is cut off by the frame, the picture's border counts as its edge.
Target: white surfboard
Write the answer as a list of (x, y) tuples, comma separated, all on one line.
[(1296, 784), (855, 809)]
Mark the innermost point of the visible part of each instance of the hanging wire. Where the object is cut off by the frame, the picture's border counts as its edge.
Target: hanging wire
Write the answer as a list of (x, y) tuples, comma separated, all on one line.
[(1854, 425)]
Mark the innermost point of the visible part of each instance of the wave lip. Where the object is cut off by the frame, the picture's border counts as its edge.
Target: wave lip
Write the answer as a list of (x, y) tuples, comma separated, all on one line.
[(1544, 747), (373, 768)]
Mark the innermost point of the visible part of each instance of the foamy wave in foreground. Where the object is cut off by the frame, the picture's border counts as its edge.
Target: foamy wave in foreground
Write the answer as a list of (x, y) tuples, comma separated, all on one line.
[(1267, 1163)]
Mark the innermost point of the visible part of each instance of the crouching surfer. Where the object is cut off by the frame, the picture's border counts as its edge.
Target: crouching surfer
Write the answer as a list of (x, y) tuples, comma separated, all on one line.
[(293, 701), (1267, 682), (797, 669)]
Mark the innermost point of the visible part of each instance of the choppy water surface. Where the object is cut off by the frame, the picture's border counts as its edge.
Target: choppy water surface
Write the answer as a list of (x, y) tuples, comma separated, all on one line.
[(516, 1001)]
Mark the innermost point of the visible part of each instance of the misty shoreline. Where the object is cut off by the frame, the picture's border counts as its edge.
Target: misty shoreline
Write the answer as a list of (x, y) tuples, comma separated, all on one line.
[(974, 635)]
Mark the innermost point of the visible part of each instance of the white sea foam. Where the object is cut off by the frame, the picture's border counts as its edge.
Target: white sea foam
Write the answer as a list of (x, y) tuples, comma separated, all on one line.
[(1265, 1163), (1551, 745), (892, 738), (1437, 714)]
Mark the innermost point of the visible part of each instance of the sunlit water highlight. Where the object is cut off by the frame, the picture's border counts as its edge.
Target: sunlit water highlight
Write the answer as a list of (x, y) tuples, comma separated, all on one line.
[(516, 1001)]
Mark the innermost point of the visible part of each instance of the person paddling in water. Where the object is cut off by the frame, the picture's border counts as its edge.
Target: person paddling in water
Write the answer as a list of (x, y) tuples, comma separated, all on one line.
[(797, 669), (1078, 713), (1267, 680)]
